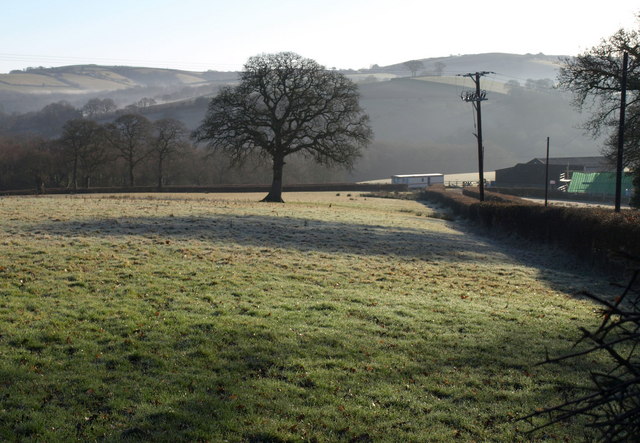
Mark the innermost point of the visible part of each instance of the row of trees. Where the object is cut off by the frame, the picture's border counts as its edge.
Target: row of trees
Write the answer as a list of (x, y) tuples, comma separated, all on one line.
[(134, 150), (131, 138), (284, 107), (88, 153)]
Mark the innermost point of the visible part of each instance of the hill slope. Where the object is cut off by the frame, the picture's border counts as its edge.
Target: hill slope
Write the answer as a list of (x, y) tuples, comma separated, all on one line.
[(420, 123), (33, 88), (516, 66), (423, 126), (94, 78), (23, 91)]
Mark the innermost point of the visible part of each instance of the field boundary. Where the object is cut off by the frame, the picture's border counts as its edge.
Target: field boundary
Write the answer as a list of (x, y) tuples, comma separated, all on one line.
[(596, 235), (310, 187)]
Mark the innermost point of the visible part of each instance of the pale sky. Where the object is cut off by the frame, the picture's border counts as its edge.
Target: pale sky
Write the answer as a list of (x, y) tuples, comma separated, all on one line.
[(220, 35)]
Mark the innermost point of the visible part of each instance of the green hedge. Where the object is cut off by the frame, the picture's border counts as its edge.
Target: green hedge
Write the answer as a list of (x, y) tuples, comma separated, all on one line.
[(592, 233)]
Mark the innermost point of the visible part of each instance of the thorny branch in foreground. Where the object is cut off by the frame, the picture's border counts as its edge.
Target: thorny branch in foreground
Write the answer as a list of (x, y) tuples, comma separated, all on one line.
[(613, 408)]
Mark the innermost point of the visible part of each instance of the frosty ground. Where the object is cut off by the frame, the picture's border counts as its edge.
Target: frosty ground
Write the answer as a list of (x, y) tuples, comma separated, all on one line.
[(331, 317)]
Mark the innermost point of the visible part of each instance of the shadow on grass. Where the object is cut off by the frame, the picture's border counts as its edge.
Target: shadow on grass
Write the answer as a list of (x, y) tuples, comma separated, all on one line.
[(453, 244), (265, 394), (298, 234), (225, 399)]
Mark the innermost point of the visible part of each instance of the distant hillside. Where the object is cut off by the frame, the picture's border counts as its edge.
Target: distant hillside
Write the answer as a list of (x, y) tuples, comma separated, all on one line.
[(516, 66), (93, 78), (32, 89), (420, 123)]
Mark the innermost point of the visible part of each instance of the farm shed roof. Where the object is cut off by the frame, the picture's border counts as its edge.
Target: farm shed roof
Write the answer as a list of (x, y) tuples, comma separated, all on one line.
[(590, 162), (417, 175), (597, 182)]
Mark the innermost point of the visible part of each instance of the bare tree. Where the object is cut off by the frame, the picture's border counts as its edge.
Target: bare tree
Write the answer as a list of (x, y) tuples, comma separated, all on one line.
[(25, 159), (594, 78), (170, 137), (287, 104), (631, 140), (37, 162), (79, 138), (96, 107), (129, 135), (414, 66), (97, 156), (50, 119)]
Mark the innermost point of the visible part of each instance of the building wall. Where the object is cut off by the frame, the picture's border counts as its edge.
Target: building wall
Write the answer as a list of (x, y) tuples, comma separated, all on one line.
[(528, 175), (418, 181)]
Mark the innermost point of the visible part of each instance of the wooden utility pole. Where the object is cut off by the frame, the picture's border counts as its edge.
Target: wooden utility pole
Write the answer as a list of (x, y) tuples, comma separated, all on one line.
[(476, 98), (546, 177), (623, 105)]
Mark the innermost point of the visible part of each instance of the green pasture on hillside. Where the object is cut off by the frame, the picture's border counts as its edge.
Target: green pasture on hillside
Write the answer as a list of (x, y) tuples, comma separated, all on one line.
[(328, 318)]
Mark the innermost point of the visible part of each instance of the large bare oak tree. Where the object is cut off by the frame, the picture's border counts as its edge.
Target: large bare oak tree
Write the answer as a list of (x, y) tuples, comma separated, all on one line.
[(287, 104)]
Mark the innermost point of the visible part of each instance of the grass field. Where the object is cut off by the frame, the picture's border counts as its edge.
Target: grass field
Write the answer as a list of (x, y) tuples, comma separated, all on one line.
[(329, 318)]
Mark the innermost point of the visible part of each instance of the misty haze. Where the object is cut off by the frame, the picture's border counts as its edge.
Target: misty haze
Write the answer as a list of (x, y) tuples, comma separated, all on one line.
[(420, 123)]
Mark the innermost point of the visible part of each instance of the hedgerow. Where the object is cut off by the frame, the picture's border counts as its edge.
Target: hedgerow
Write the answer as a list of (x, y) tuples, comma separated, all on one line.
[(593, 233)]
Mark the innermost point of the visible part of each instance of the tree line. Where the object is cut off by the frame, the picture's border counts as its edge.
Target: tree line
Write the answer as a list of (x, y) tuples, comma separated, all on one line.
[(131, 151), (285, 107)]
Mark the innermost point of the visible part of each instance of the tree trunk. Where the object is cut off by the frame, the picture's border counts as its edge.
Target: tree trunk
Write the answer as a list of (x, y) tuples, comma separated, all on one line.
[(75, 173), (131, 176), (39, 185), (160, 174), (275, 194)]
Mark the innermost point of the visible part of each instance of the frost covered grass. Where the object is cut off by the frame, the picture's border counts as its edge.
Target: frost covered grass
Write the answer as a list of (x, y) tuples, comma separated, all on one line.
[(329, 318)]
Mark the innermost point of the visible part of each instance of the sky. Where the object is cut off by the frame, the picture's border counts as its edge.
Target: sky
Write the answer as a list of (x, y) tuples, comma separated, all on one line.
[(202, 35)]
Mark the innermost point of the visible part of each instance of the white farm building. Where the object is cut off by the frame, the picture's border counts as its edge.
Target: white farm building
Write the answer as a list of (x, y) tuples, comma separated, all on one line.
[(414, 181)]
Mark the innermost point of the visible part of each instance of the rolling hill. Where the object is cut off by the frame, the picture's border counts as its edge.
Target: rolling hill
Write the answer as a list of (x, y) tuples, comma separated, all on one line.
[(420, 123), (85, 79), (30, 90), (514, 66)]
